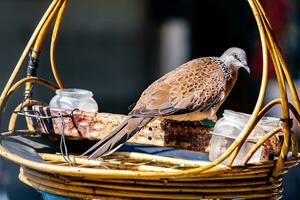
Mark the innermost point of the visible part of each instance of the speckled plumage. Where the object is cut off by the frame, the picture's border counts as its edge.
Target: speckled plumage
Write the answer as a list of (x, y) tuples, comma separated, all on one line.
[(193, 91), (196, 85)]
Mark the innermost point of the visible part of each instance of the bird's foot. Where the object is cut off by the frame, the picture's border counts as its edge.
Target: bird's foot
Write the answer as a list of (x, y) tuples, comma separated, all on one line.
[(214, 118)]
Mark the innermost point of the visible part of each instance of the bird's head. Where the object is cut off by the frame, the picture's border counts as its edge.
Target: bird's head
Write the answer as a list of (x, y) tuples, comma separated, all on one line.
[(235, 57)]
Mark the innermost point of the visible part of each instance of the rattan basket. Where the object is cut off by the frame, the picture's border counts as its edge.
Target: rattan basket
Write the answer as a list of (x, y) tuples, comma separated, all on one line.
[(131, 175)]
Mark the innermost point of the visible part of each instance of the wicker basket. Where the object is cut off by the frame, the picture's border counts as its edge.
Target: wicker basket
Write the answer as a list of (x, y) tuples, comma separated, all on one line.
[(131, 175)]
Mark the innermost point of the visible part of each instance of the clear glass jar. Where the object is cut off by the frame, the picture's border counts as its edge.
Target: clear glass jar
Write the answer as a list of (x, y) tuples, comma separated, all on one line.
[(227, 129), (73, 98), (275, 142)]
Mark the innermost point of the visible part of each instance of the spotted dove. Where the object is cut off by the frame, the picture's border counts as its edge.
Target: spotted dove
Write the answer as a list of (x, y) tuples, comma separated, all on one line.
[(193, 91)]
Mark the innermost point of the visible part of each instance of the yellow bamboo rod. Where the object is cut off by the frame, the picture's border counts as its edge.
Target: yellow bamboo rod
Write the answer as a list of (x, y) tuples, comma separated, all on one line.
[(41, 37), (267, 190), (294, 111), (53, 43), (13, 88), (45, 28), (19, 83), (209, 183), (115, 164), (269, 106), (275, 102), (283, 64), (36, 80), (26, 51), (163, 159), (253, 121), (60, 191), (194, 184), (67, 193), (281, 84), (291, 85), (134, 187), (109, 174), (14, 116)]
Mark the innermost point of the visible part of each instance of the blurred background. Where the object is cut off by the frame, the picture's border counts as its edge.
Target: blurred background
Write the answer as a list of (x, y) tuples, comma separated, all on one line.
[(116, 48)]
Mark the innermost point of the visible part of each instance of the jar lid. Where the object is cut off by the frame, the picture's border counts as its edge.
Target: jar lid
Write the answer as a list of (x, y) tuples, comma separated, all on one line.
[(248, 139), (74, 92), (237, 115), (265, 121)]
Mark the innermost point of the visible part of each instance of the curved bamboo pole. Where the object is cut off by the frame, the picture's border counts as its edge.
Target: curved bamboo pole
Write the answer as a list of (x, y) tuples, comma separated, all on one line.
[(294, 111), (53, 43), (252, 122), (109, 164), (41, 37), (45, 28), (116, 174), (35, 53), (277, 101), (141, 188), (26, 51), (14, 116), (283, 94), (270, 105), (13, 88), (37, 80), (283, 64)]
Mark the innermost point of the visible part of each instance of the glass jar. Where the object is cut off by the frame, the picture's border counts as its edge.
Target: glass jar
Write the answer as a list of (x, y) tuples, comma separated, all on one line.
[(274, 143), (73, 98), (227, 129)]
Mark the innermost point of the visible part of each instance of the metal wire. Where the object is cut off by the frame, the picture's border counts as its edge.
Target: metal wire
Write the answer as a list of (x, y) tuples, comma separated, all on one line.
[(25, 113), (63, 144)]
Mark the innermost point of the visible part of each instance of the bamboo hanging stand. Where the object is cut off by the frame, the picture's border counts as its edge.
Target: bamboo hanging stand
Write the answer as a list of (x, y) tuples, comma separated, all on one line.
[(129, 175)]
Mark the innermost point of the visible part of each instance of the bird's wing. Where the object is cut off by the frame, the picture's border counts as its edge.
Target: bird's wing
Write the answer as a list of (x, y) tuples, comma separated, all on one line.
[(196, 85)]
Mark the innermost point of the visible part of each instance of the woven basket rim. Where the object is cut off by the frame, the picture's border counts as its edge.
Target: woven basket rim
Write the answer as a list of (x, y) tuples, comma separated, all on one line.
[(119, 174)]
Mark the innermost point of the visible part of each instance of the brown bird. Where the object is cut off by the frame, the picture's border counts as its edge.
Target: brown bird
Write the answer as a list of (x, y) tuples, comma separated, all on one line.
[(193, 91)]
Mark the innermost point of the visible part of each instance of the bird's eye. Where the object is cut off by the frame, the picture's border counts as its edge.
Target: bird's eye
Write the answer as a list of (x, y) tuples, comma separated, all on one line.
[(235, 56)]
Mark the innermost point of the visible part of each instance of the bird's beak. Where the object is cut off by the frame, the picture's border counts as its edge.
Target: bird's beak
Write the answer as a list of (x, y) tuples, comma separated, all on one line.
[(246, 67)]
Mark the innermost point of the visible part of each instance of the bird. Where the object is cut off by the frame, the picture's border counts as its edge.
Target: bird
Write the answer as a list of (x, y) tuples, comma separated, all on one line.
[(193, 91)]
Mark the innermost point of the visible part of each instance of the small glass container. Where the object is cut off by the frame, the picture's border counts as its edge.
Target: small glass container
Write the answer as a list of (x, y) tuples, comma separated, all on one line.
[(275, 142), (227, 129), (73, 98)]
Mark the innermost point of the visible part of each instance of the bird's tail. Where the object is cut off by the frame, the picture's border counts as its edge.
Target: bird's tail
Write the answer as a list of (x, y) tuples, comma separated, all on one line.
[(117, 137)]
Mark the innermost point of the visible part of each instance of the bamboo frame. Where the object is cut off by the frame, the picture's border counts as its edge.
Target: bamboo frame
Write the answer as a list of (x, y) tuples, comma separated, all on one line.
[(26, 50), (194, 171)]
